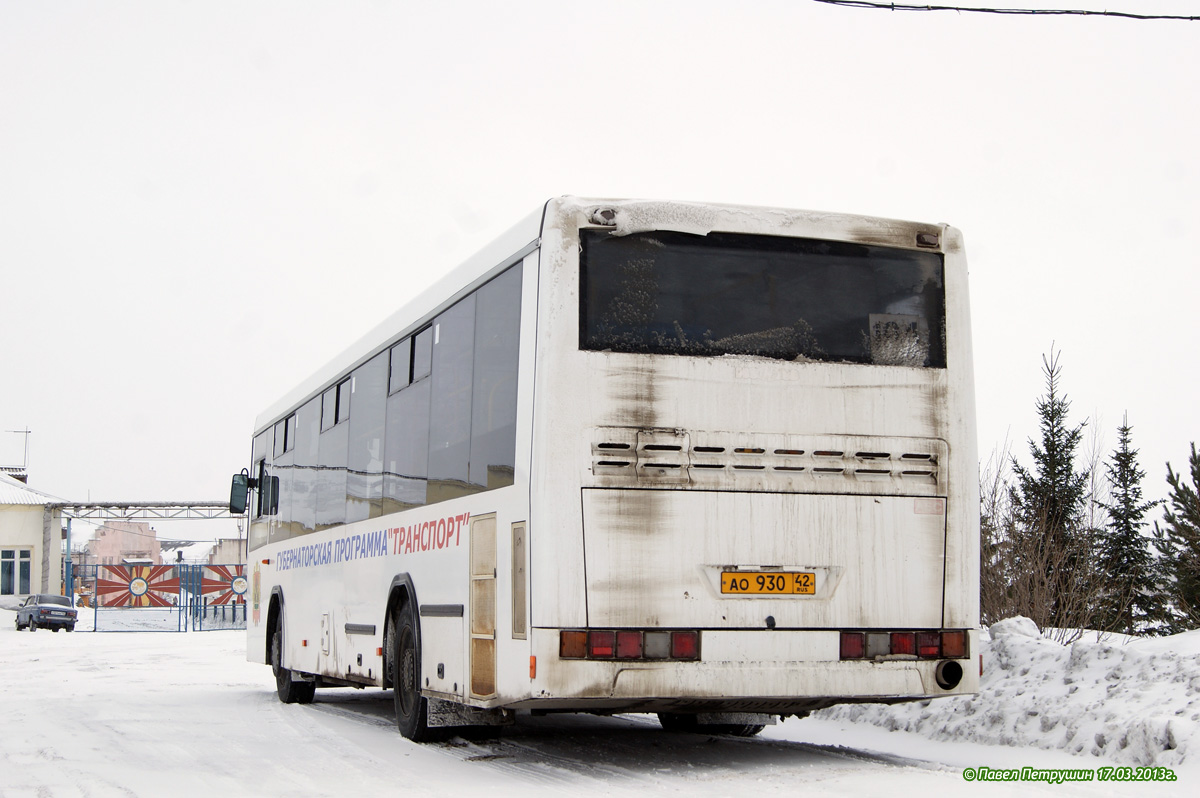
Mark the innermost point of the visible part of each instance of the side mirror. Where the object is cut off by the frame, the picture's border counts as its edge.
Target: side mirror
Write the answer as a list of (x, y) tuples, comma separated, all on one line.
[(238, 493)]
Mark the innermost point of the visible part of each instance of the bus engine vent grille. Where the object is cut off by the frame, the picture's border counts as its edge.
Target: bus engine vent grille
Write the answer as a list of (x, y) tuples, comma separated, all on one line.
[(758, 461)]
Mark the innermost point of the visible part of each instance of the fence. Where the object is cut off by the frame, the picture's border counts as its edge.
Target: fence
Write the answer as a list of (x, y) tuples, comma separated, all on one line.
[(163, 598)]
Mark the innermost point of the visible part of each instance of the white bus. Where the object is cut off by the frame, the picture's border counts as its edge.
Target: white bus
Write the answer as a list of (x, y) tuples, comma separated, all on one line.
[(712, 462)]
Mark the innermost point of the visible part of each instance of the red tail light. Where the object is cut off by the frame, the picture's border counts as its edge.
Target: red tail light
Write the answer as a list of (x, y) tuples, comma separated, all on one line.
[(685, 645), (929, 645), (853, 645), (904, 643), (602, 645), (629, 645), (943, 644)]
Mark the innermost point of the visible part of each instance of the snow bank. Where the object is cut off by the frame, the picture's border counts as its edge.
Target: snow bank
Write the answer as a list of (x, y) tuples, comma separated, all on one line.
[(1135, 702)]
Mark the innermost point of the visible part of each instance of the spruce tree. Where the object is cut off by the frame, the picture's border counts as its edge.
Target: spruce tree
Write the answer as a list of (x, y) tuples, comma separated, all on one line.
[(1048, 502), (1130, 602), (1178, 544)]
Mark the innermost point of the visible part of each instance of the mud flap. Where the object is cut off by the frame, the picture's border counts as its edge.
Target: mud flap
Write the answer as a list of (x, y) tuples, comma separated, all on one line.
[(443, 713)]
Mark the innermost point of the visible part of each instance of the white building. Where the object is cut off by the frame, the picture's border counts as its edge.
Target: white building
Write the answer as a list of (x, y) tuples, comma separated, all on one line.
[(228, 551), (30, 540)]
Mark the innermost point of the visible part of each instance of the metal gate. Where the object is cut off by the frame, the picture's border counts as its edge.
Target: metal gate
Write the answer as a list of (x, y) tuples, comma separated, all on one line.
[(163, 598), (216, 596)]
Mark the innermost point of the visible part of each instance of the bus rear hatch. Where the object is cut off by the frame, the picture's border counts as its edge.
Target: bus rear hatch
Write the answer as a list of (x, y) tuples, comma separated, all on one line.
[(726, 560)]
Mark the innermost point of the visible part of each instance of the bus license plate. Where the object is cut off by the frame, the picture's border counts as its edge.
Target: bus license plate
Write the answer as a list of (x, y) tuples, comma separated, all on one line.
[(759, 583)]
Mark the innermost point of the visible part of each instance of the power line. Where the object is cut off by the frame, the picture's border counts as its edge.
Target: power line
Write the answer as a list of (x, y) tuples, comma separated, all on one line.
[(1053, 12)]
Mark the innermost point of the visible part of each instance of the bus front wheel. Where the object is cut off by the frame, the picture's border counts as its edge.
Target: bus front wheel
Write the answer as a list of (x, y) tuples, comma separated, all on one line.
[(412, 709), (289, 690)]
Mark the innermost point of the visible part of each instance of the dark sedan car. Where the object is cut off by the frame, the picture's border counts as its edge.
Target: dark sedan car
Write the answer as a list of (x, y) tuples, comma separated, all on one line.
[(46, 611)]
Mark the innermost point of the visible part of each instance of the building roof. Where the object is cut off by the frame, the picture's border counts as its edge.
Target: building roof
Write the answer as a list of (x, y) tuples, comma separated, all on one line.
[(13, 491)]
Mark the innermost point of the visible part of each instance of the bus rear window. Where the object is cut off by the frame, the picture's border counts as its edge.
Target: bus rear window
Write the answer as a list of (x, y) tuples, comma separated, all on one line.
[(799, 299)]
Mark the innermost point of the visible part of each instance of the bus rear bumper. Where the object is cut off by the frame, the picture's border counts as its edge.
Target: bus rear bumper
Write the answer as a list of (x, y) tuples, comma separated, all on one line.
[(780, 672)]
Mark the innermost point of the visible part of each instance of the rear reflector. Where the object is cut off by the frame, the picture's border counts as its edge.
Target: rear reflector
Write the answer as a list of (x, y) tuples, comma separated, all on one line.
[(533, 667)]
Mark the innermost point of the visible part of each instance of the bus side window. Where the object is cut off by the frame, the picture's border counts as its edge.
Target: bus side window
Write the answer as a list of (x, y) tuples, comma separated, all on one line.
[(422, 354), (268, 491)]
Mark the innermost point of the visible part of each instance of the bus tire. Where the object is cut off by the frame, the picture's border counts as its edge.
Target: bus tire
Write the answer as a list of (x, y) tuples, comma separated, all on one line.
[(678, 722), (289, 690), (739, 729), (412, 709)]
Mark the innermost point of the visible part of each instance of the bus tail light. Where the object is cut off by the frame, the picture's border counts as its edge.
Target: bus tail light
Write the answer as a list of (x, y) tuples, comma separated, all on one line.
[(602, 645), (954, 644), (904, 643), (685, 645), (628, 644), (572, 645), (533, 667), (929, 645), (881, 645), (852, 646), (656, 645)]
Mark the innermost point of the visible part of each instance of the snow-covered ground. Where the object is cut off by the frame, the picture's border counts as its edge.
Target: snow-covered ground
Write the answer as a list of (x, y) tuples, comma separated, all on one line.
[(1135, 701), (182, 714)]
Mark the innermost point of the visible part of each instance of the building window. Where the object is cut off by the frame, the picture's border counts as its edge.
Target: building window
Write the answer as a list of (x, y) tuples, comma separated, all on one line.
[(14, 571)]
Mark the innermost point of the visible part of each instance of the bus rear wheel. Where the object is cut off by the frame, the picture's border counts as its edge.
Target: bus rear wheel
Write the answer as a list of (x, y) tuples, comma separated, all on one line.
[(412, 709), (289, 690)]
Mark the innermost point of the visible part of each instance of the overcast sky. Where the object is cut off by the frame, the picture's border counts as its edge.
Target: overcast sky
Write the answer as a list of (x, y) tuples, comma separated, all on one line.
[(201, 203)]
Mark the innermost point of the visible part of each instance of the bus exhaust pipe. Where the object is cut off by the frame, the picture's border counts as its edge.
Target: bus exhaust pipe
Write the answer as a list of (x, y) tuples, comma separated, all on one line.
[(948, 674)]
